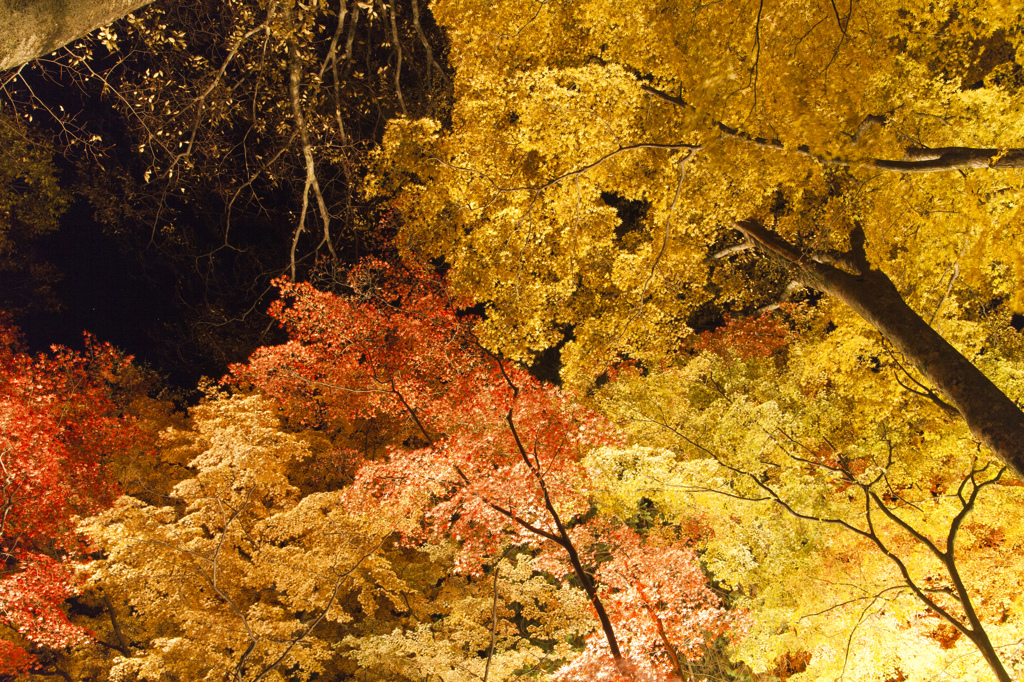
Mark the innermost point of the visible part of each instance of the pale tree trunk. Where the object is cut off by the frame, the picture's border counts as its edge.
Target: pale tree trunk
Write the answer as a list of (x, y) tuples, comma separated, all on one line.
[(991, 416), (30, 29)]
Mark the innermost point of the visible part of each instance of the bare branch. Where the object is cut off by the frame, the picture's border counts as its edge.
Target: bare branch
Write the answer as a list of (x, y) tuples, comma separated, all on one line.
[(739, 248), (396, 43), (295, 94), (852, 601), (431, 62)]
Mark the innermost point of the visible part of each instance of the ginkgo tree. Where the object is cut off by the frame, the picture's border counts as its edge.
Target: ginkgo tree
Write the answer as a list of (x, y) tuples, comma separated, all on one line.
[(58, 428), (605, 179)]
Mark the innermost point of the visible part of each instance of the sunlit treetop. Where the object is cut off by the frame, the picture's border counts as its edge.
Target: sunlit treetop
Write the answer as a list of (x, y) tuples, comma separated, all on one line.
[(596, 161)]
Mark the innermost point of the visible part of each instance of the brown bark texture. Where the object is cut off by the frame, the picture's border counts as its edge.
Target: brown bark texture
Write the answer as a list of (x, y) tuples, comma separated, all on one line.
[(30, 29), (992, 417)]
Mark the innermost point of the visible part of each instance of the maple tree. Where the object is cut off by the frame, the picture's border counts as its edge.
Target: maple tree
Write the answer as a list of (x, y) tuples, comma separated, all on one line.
[(496, 459), (842, 506), (59, 426), (398, 504), (240, 575)]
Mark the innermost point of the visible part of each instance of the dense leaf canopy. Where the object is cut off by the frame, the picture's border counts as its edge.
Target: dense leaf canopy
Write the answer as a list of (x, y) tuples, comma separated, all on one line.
[(676, 341)]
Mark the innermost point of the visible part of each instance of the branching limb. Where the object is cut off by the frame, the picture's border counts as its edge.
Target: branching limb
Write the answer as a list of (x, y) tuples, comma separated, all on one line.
[(248, 183), (853, 631), (122, 643), (757, 52), (412, 413), (679, 146), (783, 296), (521, 521), (431, 62), (905, 572), (992, 417), (949, 289), (397, 45), (969, 625), (200, 102), (968, 506), (574, 558), (747, 245), (557, 539), (295, 95), (538, 189), (852, 601), (923, 391)]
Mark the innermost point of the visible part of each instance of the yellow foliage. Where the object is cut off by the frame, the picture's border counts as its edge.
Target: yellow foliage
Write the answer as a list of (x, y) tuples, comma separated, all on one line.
[(567, 112), (239, 572), (775, 455)]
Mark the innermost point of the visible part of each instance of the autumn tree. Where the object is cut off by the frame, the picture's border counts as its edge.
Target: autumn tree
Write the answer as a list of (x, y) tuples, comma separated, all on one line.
[(606, 179), (60, 427), (492, 460), (864, 529), (258, 565), (240, 574), (400, 504)]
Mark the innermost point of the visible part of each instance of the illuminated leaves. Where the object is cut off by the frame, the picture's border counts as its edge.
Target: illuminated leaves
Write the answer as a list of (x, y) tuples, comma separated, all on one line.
[(658, 597), (239, 574), (491, 459), (806, 440), (58, 425), (782, 111)]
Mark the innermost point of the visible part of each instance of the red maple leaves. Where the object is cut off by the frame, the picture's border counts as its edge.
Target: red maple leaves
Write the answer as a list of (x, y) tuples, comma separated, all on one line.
[(57, 424), (664, 611), (746, 338), (483, 454)]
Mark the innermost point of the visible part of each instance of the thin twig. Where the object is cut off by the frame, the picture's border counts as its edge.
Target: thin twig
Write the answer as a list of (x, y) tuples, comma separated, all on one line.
[(494, 621)]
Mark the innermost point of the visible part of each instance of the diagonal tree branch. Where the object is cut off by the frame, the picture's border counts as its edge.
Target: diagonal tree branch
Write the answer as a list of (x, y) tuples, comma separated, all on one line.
[(917, 159), (991, 416)]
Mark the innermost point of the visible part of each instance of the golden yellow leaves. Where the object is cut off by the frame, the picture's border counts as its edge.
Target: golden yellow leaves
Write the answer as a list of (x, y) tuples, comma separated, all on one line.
[(235, 564), (242, 575), (805, 440), (536, 622)]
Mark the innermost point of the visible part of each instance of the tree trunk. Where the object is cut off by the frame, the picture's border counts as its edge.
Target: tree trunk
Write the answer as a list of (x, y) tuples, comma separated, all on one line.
[(991, 416), (32, 28)]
